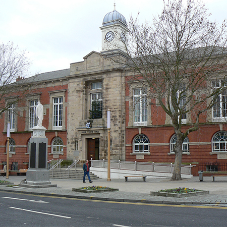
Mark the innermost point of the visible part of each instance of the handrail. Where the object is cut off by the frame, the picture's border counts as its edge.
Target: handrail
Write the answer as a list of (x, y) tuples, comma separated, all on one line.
[(73, 164), (56, 164)]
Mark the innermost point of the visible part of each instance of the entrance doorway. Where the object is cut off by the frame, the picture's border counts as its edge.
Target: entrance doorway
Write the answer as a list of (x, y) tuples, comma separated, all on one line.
[(93, 148)]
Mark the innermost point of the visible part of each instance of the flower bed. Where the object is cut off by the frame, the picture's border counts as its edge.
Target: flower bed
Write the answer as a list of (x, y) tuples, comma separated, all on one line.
[(92, 189), (4, 182), (179, 192)]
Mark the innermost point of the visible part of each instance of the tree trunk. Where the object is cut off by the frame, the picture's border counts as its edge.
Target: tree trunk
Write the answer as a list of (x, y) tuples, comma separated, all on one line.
[(178, 158)]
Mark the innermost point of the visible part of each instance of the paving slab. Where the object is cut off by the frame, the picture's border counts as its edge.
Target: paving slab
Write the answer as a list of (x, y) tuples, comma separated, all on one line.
[(133, 190)]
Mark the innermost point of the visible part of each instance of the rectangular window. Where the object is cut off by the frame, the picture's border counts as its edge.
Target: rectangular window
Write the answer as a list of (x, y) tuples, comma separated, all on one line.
[(57, 111), (220, 106), (76, 145), (96, 105), (96, 85), (181, 99), (140, 106), (32, 113), (11, 116)]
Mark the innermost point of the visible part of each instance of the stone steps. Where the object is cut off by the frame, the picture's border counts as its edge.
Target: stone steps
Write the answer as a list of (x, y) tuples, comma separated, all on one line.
[(72, 174)]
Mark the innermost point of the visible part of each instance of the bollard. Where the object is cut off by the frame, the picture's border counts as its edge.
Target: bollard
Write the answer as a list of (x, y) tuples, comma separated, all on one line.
[(200, 175)]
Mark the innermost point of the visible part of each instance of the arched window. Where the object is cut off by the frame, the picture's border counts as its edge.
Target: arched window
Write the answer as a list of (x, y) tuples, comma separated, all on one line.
[(219, 141), (141, 143), (12, 145), (185, 145), (57, 145)]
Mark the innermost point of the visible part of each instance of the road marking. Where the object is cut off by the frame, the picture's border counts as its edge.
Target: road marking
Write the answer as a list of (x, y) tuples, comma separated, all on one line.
[(120, 225), (34, 201), (131, 203), (38, 212)]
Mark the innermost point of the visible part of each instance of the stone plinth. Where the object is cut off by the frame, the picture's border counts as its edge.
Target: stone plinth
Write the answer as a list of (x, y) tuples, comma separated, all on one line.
[(39, 132), (38, 174)]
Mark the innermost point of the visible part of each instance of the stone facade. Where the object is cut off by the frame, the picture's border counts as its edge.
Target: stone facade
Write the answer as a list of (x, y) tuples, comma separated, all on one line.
[(96, 68)]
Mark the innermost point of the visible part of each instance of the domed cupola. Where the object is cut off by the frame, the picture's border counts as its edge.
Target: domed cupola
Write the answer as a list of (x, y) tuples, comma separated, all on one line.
[(114, 17), (114, 31)]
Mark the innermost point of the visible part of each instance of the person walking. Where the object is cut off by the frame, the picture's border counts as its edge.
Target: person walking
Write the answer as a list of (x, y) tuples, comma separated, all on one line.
[(86, 172)]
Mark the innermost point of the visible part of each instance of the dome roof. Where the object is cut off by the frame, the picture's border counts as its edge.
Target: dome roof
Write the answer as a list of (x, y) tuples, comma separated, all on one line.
[(114, 17)]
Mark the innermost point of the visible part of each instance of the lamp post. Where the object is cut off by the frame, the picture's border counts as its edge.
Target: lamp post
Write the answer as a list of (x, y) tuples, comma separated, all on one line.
[(108, 127), (7, 161)]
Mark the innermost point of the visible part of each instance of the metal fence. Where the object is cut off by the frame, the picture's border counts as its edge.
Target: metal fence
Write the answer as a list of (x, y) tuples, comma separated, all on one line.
[(140, 166), (213, 166)]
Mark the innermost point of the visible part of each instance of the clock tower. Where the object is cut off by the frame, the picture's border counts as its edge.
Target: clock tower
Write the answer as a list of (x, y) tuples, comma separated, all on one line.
[(114, 31)]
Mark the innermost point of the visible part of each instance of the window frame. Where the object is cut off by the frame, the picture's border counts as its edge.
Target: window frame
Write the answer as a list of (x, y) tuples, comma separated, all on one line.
[(11, 117), (57, 146), (182, 101), (142, 138), (57, 112), (56, 94), (185, 143), (98, 99), (34, 117), (141, 104), (214, 143), (219, 107), (12, 146)]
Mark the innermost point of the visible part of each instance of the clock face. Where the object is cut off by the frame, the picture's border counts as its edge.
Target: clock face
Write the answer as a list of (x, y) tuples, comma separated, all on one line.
[(109, 36)]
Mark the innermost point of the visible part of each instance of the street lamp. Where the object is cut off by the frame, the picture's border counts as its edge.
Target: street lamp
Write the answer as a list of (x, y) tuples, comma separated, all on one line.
[(108, 127), (7, 162)]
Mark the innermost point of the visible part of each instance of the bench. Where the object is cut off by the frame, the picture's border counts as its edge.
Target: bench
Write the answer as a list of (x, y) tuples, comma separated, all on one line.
[(214, 174), (144, 177), (22, 171)]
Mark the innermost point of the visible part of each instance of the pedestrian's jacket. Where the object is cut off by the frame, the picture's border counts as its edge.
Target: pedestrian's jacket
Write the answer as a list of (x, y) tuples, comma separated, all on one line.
[(85, 167)]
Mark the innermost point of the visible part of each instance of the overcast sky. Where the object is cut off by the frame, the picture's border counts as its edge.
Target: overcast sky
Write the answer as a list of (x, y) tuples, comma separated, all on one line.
[(56, 33)]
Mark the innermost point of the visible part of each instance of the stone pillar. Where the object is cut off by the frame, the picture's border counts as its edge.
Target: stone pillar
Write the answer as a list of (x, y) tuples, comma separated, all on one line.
[(38, 174)]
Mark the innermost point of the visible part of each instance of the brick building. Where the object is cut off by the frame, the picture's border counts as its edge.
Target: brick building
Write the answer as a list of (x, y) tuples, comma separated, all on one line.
[(150, 136), (75, 103), (51, 89)]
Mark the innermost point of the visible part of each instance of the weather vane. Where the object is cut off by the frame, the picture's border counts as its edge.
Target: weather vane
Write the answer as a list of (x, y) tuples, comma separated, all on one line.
[(114, 6)]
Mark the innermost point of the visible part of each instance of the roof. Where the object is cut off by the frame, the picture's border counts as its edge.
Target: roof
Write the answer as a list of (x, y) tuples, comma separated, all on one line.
[(114, 17), (47, 76)]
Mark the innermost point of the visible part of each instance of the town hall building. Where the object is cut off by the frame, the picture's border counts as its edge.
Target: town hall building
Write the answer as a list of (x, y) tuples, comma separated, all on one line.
[(75, 103)]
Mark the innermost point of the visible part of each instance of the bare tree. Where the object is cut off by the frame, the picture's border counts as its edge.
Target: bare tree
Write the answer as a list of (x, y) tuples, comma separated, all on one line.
[(13, 66), (180, 57)]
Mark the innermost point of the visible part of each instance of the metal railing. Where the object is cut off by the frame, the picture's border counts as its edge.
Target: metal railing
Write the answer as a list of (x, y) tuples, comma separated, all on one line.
[(73, 164), (140, 166), (57, 164), (213, 166)]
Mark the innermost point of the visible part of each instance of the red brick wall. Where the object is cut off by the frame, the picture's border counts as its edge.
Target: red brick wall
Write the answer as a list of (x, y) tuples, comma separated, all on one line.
[(21, 137)]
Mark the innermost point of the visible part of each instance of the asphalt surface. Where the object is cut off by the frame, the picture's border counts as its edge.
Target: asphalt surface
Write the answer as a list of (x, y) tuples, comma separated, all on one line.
[(135, 190)]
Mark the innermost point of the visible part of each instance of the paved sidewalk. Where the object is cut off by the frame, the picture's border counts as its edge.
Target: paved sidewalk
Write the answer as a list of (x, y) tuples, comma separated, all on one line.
[(135, 190)]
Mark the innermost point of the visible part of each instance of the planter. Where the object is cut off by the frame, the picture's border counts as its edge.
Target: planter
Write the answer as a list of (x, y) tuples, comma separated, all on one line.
[(174, 193), (94, 189)]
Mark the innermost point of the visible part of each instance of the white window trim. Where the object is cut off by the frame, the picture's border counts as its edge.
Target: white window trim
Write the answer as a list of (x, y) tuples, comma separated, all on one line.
[(29, 121), (52, 146), (11, 112), (171, 145), (58, 104), (147, 144), (56, 94), (218, 142), (221, 118), (141, 122)]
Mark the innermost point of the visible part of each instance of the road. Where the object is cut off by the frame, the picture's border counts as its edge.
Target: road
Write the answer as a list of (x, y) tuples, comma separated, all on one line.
[(29, 210)]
